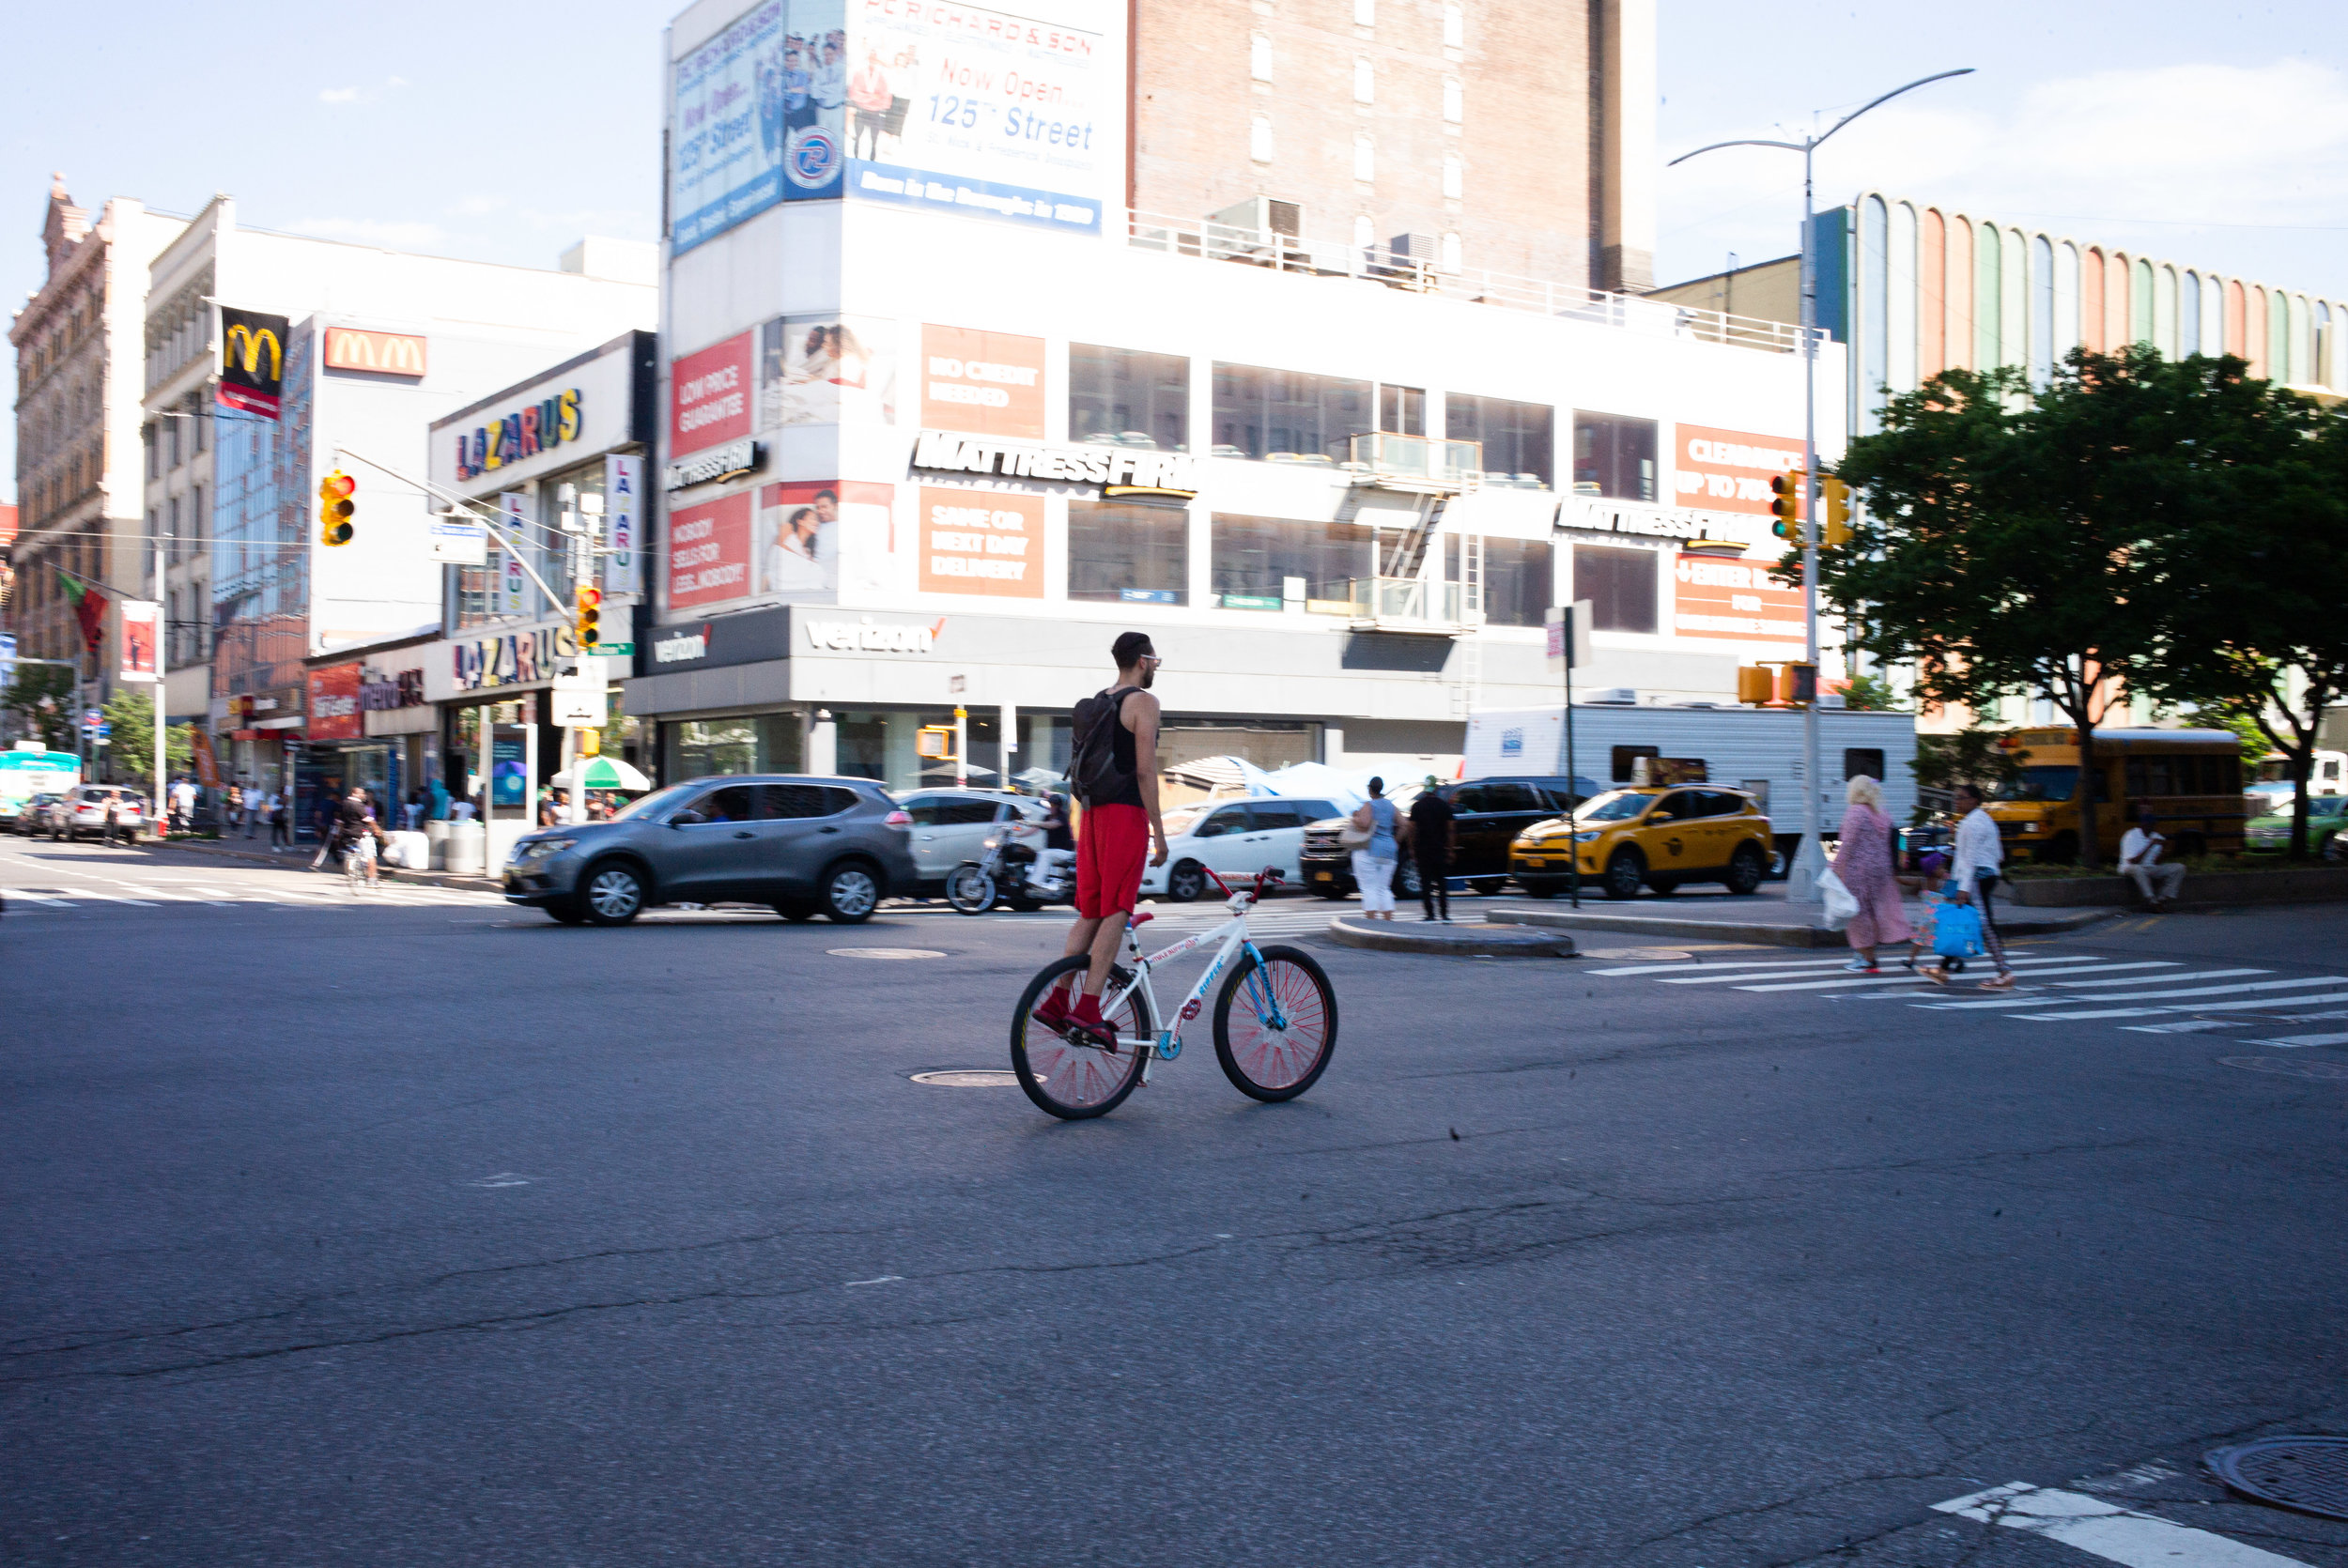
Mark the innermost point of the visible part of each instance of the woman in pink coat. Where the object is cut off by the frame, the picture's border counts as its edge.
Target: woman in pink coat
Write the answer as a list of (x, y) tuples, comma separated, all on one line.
[(1863, 861)]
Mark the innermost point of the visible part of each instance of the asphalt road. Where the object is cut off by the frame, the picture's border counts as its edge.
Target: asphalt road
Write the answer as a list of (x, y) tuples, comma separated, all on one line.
[(416, 1229)]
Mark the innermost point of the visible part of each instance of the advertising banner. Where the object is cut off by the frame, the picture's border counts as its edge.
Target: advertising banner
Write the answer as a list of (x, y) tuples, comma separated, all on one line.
[(1729, 470), (986, 383), (379, 353), (798, 538), (760, 118), (623, 525), (984, 112), (710, 552), (512, 590), (252, 362), (334, 714), (1711, 598), (826, 370), (709, 395), (982, 542), (142, 632)]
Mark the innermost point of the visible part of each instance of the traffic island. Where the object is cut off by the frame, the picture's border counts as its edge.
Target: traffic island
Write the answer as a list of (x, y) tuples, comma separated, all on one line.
[(1458, 942)]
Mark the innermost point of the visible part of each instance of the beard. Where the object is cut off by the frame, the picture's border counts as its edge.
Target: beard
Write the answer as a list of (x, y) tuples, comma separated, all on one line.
[(1148, 678)]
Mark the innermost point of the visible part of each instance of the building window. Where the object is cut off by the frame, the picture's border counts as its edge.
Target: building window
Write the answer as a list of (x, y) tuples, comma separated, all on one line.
[(1254, 560), (1454, 177), (200, 524), (1449, 258), (1285, 415), (1364, 13), (1259, 139), (1614, 456), (154, 455), (172, 529), (1402, 410), (1453, 101), (1119, 396), (1620, 586), (1516, 436), (1365, 231), (1260, 56), (1519, 581), (1365, 80), (1135, 555), (1455, 27), (755, 742), (1364, 158)]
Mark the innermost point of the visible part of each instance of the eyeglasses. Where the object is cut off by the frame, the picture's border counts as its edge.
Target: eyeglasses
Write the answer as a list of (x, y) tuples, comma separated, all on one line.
[(1153, 661)]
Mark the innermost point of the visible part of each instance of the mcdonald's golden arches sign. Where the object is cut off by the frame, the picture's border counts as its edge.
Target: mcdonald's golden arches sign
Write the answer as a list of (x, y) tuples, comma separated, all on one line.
[(385, 353), (252, 362)]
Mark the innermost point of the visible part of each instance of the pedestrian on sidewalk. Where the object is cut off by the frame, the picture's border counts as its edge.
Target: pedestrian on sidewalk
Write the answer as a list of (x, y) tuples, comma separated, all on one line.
[(1863, 859), (257, 806), (280, 822), (183, 805), (435, 800), (357, 837), (1434, 840), (1979, 855), (2141, 847), (235, 808), (1373, 861)]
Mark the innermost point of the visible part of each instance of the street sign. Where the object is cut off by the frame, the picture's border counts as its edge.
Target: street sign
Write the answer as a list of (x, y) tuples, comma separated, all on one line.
[(457, 541), (1568, 628), (580, 704)]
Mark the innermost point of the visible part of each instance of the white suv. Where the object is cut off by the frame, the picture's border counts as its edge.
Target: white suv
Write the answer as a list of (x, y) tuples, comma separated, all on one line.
[(1234, 839)]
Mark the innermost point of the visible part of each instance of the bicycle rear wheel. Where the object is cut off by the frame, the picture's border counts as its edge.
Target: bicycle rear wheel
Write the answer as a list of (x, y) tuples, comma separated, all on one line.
[(1068, 1080), (1275, 1024)]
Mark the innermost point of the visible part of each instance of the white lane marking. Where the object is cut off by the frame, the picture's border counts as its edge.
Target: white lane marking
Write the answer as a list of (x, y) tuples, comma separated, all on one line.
[(2303, 1039), (35, 897), (2210, 990), (882, 1279), (1918, 979), (2197, 1008), (2068, 964), (2107, 1530), (2186, 1026), (1683, 965), (111, 898), (2165, 979)]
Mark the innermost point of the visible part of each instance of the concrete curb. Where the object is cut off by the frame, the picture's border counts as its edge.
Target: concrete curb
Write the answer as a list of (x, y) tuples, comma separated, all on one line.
[(1763, 933), (1468, 941), (297, 862)]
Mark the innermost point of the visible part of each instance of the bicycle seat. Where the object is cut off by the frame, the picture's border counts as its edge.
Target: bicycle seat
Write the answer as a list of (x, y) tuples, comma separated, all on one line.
[(1139, 920)]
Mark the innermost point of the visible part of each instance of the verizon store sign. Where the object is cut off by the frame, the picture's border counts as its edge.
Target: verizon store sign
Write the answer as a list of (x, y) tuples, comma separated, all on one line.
[(1119, 470)]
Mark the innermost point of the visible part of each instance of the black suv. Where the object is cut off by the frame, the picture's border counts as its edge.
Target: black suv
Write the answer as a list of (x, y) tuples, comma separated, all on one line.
[(1489, 813)]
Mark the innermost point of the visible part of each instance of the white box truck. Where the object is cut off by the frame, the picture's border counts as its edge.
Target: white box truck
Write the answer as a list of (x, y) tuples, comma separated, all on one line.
[(1757, 750)]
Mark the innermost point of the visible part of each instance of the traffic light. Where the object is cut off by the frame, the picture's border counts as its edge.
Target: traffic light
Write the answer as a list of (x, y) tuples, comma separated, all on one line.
[(1755, 686), (335, 508), (1836, 494), (590, 618), (1786, 488)]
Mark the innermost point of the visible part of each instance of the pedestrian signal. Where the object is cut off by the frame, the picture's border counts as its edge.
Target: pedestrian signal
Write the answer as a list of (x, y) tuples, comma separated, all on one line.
[(335, 508), (1755, 684), (588, 627), (1836, 494), (1787, 507)]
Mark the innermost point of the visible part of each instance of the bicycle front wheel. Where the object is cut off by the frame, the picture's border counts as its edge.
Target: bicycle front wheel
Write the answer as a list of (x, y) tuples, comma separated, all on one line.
[(1070, 1080), (1275, 1024)]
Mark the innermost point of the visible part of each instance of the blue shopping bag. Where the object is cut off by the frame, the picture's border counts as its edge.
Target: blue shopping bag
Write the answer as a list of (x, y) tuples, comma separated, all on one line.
[(1956, 930)]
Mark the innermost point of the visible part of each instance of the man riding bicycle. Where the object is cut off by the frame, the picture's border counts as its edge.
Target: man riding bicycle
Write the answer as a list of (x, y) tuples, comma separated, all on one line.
[(1114, 769)]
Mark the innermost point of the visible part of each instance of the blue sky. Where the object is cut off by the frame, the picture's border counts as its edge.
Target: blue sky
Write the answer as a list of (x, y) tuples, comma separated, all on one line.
[(2213, 133)]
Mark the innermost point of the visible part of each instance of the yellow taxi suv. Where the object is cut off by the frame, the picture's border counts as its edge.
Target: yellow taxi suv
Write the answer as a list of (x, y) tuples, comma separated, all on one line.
[(1658, 835)]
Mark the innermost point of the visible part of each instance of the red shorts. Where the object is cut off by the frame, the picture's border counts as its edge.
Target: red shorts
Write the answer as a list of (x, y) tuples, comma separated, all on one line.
[(1112, 847)]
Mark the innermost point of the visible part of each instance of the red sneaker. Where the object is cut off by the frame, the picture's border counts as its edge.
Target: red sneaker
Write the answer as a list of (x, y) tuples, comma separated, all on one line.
[(1053, 1014), (1086, 1023)]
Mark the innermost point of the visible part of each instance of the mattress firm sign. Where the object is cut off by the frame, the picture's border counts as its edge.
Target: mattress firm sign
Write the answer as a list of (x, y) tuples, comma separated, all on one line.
[(1600, 516), (1119, 470)]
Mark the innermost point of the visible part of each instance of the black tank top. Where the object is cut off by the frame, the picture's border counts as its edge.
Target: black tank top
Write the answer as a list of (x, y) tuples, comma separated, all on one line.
[(1128, 789)]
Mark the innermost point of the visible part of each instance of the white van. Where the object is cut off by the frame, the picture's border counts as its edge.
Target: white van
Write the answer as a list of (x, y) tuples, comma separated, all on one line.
[(1234, 839)]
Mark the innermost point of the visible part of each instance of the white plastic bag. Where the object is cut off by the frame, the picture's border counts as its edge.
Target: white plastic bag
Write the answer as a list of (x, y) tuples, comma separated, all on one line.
[(1840, 905)]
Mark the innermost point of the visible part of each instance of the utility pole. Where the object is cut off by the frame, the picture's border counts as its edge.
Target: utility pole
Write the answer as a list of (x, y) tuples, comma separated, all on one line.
[(1811, 859)]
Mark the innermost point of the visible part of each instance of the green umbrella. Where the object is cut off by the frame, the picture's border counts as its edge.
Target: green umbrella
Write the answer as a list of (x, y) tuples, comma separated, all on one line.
[(604, 773)]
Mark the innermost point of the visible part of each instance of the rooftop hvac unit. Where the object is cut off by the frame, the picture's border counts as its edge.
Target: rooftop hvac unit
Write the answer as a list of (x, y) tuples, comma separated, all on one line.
[(1263, 224), (1414, 247), (1615, 695)]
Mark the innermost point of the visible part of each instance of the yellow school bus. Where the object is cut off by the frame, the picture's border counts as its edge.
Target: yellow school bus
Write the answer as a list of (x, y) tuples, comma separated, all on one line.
[(2191, 779)]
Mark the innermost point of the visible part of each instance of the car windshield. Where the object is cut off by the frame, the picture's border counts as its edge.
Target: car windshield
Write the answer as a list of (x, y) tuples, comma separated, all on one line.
[(645, 805), (2043, 783), (1183, 819), (1614, 806), (2327, 805)]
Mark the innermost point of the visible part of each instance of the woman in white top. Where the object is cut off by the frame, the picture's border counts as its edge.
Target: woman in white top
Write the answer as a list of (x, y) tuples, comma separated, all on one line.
[(1972, 875)]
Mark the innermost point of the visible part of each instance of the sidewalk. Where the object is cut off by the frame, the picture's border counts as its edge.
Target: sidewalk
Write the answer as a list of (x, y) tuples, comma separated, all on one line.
[(1765, 917), (299, 858)]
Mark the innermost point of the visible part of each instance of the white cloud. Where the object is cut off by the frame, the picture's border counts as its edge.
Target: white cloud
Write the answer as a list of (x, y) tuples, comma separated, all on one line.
[(360, 94), (392, 234), (338, 94)]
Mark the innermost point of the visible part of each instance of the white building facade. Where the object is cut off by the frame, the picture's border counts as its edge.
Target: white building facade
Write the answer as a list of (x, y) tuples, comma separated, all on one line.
[(940, 418)]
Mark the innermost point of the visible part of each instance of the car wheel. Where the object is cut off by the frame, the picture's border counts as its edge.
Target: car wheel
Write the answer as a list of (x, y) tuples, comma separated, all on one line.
[(1623, 873), (795, 909), (567, 911), (1335, 892), (1487, 886), (1187, 882), (1406, 881), (851, 893), (2336, 849), (612, 894), (1746, 868)]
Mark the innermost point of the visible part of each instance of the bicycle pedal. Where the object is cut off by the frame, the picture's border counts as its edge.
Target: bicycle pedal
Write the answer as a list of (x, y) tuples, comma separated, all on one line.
[(1190, 1009)]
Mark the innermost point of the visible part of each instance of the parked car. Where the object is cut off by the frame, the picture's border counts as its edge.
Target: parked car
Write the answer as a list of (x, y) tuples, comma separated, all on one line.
[(1233, 838), (2327, 816), (1660, 835), (33, 816), (951, 826), (82, 812), (1489, 814), (834, 847)]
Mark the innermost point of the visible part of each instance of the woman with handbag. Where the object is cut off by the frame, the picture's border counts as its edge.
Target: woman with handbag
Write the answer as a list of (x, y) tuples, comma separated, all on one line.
[(1376, 834), (1863, 860)]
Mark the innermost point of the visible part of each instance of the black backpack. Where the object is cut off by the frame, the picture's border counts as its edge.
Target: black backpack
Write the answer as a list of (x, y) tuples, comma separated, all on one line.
[(1092, 759)]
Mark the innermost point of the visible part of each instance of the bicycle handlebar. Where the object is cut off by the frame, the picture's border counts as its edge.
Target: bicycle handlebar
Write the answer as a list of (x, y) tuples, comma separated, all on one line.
[(1270, 875)]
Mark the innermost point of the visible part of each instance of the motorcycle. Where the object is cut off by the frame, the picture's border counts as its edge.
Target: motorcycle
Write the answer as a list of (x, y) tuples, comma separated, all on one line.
[(1006, 871)]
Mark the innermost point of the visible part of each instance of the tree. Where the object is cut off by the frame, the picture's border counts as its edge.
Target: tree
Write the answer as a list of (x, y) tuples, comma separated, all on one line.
[(1973, 756), (2006, 546), (41, 697), (1867, 694), (131, 749)]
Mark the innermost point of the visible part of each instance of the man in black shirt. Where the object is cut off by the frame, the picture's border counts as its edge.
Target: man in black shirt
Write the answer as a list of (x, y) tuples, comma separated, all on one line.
[(1434, 834)]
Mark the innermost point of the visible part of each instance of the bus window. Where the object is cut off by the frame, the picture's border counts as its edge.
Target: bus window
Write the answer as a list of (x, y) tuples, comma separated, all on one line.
[(2041, 783)]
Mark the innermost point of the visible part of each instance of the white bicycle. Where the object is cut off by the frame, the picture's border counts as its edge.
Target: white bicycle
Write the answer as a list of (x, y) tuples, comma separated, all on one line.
[(1275, 1019)]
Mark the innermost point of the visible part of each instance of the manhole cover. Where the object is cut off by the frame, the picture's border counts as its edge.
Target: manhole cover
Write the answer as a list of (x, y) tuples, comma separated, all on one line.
[(2309, 1474), (968, 1078), (886, 953), (2285, 1067)]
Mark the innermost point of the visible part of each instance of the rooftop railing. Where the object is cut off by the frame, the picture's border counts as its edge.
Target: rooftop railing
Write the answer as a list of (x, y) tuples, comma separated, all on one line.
[(1209, 240)]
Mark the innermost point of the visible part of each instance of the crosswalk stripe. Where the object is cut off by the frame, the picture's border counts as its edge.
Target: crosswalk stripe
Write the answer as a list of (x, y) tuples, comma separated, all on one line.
[(2011, 1001), (30, 896), (2197, 975), (2067, 963), (2195, 1008), (2108, 1530), (1920, 980), (1772, 965), (112, 897), (2303, 1040), (2212, 991)]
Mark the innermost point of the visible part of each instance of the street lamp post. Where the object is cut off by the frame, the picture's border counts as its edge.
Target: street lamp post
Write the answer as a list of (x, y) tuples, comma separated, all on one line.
[(1811, 859)]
